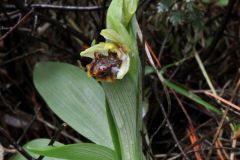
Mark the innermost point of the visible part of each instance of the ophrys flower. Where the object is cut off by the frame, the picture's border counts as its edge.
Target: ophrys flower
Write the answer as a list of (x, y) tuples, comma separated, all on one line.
[(110, 61)]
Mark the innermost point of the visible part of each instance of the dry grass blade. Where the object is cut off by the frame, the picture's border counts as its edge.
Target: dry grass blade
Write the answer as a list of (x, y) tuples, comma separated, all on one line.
[(153, 54), (220, 152), (226, 102), (194, 139)]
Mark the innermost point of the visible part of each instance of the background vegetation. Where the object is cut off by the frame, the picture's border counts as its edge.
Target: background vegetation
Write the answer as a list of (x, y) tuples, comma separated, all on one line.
[(195, 44)]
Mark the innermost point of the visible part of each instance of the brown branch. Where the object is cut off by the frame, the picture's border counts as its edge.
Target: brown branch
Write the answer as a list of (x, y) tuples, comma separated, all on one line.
[(60, 7), (53, 139), (62, 27), (16, 145), (169, 125), (68, 8), (17, 24)]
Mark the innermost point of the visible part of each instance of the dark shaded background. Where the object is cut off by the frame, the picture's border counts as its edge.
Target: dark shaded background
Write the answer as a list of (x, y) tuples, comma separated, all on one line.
[(59, 34)]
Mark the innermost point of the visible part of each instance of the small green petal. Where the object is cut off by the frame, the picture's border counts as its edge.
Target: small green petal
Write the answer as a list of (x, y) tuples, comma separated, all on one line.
[(112, 35), (102, 48)]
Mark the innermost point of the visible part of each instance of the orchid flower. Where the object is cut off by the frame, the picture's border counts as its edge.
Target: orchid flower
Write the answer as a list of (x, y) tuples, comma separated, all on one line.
[(110, 60)]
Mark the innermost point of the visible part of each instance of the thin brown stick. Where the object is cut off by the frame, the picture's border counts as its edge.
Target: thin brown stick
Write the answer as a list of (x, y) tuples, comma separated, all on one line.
[(17, 24), (68, 8), (153, 55), (218, 132), (223, 100), (169, 124), (221, 151), (53, 139), (16, 145), (191, 131), (194, 139), (49, 125)]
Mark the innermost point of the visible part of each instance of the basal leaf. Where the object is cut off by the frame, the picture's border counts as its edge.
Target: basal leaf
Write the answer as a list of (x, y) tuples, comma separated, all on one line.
[(122, 99), (83, 151), (75, 98), (36, 143)]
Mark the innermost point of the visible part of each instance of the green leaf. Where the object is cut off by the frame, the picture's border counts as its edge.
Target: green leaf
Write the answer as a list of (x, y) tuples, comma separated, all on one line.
[(115, 13), (176, 17), (114, 133), (129, 9), (206, 1), (121, 11), (165, 5), (122, 99), (223, 2), (115, 20), (112, 35), (36, 143), (83, 151), (102, 48), (120, 29), (135, 65), (191, 96), (148, 70), (75, 98), (162, 7), (195, 17)]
